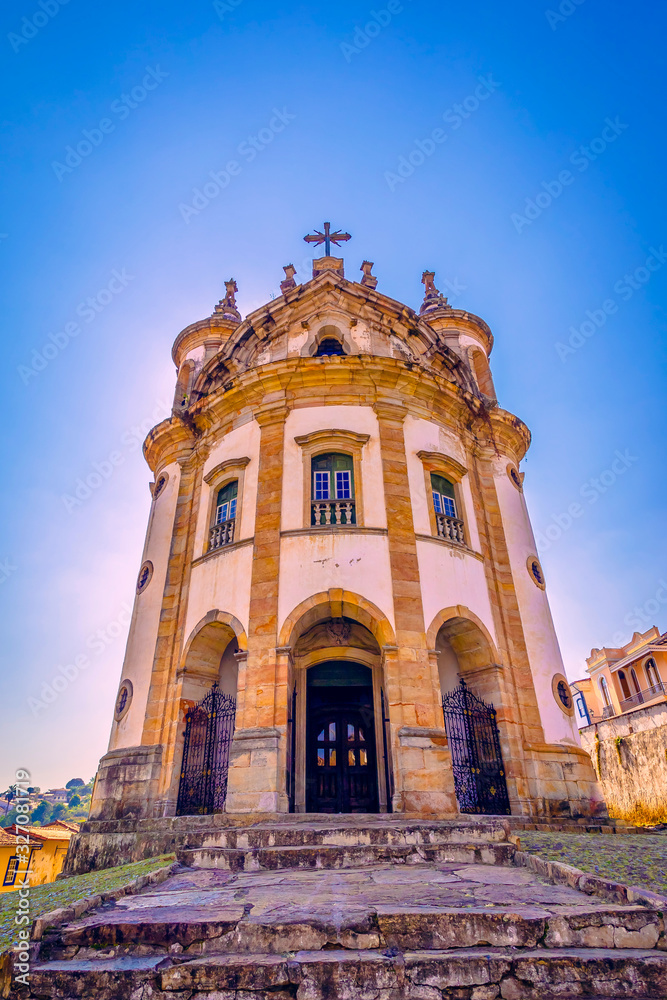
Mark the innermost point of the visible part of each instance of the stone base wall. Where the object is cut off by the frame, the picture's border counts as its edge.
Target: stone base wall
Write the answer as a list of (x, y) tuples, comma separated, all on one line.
[(127, 784), (631, 760)]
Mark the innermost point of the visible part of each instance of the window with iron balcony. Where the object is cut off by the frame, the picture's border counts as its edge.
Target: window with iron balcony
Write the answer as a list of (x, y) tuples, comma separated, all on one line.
[(222, 530), (448, 523), (332, 497)]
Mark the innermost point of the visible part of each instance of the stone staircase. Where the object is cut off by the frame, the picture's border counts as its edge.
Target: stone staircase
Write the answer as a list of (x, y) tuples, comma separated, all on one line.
[(361, 908)]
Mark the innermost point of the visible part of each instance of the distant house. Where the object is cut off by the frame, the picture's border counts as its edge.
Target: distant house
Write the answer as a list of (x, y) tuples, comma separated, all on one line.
[(47, 849), (55, 795)]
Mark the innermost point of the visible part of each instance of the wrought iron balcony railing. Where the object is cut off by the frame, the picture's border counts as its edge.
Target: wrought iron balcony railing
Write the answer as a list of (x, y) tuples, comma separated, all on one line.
[(450, 528), (327, 512), (641, 696), (221, 534)]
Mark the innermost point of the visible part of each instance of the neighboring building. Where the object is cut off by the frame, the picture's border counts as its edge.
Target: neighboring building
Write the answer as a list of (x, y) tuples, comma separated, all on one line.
[(47, 849), (581, 695), (623, 679), (339, 538), (627, 733)]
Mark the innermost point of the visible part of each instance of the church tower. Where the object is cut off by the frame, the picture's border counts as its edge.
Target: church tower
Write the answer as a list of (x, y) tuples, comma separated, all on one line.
[(340, 606)]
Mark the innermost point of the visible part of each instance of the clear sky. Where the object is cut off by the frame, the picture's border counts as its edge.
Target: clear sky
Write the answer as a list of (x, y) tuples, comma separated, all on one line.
[(114, 114)]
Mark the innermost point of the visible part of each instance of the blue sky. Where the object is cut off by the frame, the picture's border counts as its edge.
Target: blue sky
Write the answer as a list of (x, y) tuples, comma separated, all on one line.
[(359, 89)]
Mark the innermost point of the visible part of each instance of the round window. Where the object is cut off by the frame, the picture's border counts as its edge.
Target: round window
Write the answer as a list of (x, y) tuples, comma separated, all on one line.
[(536, 572), (144, 578), (160, 485), (562, 694), (515, 477), (123, 700)]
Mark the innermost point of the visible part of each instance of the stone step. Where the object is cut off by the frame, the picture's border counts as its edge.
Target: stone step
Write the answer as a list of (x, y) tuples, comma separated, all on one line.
[(170, 930), (336, 831), (467, 974), (339, 857)]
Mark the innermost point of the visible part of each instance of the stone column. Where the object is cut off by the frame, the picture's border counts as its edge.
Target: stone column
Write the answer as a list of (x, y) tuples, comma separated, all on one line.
[(422, 769), (256, 778)]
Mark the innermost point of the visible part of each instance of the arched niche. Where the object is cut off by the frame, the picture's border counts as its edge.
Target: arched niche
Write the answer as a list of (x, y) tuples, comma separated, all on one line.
[(480, 366)]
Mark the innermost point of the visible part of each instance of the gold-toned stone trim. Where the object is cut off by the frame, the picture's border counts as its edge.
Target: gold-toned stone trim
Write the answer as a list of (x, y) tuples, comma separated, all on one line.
[(223, 548), (228, 466), (465, 549), (334, 529)]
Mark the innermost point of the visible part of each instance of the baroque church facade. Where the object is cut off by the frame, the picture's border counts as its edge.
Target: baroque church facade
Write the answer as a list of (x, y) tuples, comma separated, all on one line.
[(340, 607)]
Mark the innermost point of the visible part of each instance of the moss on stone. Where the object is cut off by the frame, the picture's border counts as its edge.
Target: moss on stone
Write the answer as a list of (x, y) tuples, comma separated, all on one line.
[(53, 895), (636, 859)]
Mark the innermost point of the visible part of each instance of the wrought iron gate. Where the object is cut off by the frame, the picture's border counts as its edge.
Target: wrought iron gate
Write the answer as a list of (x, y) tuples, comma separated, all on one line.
[(472, 732), (209, 728)]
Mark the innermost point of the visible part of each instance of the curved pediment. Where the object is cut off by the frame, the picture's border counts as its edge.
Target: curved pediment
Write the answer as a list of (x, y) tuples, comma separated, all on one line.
[(331, 315)]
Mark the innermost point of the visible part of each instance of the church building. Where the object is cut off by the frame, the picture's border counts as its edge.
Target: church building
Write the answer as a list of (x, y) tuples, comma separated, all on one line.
[(340, 607)]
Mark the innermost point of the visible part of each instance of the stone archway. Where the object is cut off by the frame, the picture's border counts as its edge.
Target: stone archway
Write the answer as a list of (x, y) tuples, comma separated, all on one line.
[(210, 657), (465, 649), (337, 635)]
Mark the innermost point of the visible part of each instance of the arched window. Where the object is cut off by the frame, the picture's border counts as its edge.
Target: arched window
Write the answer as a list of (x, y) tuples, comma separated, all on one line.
[(446, 513), (623, 681), (605, 692), (332, 490), (222, 530), (329, 347), (652, 674)]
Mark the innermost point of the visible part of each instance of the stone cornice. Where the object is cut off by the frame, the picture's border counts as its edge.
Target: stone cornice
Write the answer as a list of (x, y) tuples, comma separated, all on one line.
[(362, 380)]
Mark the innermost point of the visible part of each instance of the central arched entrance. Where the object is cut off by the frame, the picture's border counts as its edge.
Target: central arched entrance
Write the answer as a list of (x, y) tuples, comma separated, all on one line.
[(341, 765)]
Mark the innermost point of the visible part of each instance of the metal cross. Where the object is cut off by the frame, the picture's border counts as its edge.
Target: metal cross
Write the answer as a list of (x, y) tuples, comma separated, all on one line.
[(327, 237)]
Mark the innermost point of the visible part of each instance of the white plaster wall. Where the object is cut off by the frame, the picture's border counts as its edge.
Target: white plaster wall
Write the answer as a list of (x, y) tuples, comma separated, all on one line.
[(541, 641), (222, 583), (425, 435), (312, 563), (242, 442), (450, 576), (140, 650), (361, 419)]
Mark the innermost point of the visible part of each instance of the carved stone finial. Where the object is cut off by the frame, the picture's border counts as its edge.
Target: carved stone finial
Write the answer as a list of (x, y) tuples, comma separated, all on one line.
[(289, 281), (369, 280), (227, 306), (433, 298)]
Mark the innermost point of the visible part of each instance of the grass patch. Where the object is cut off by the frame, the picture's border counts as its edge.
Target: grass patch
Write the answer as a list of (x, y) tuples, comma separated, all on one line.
[(53, 895), (636, 859)]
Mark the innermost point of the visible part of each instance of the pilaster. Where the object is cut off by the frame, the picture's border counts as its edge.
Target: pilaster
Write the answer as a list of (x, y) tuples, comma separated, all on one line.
[(423, 781), (256, 780)]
